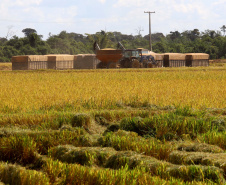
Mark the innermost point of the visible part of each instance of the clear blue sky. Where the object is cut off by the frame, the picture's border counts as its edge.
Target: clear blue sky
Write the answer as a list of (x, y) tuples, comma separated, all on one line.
[(125, 16)]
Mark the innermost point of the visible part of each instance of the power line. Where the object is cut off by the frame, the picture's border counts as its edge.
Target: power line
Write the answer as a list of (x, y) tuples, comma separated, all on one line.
[(54, 22)]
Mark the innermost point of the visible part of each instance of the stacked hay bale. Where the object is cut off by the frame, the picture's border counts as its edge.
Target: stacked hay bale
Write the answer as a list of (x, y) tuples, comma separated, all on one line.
[(19, 62), (37, 62), (174, 60), (197, 59), (60, 61), (29, 62), (85, 61), (159, 58)]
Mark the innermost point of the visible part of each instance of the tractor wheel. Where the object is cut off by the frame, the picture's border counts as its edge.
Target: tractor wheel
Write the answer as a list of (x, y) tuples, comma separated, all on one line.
[(135, 63), (149, 65), (101, 65), (112, 65), (144, 63), (122, 63), (125, 63)]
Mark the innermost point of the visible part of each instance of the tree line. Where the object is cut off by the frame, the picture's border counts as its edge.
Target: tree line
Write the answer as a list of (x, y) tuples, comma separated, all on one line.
[(189, 41)]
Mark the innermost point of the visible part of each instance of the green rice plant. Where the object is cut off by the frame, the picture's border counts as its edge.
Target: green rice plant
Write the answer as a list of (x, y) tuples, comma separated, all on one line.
[(15, 174), (197, 173), (122, 141), (169, 126), (164, 169), (40, 120), (214, 138), (138, 125), (66, 128), (23, 120), (76, 174), (101, 120), (55, 170), (109, 116), (81, 120), (89, 156), (77, 137), (112, 128), (133, 160), (199, 147), (189, 111), (18, 149), (46, 139), (220, 124), (200, 158)]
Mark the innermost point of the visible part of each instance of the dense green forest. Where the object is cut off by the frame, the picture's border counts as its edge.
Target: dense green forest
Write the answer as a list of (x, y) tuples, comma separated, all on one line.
[(190, 41)]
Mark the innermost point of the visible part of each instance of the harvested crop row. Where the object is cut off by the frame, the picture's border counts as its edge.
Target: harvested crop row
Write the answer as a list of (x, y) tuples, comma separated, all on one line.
[(199, 158), (109, 158), (15, 174)]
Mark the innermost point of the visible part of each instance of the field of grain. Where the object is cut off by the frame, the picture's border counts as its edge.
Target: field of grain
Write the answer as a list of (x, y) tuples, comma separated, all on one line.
[(118, 126), (6, 66)]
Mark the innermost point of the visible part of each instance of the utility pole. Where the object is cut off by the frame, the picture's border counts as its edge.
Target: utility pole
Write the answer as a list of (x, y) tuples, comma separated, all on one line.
[(149, 28)]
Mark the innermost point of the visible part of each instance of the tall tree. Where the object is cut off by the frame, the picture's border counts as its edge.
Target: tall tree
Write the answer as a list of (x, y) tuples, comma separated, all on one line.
[(28, 31), (223, 29)]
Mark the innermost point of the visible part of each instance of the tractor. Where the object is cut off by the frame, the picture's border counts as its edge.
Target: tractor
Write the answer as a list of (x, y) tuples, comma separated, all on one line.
[(136, 58), (123, 58)]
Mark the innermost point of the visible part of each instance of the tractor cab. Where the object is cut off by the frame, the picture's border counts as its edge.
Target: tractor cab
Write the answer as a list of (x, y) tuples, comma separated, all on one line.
[(146, 56), (143, 51), (132, 53)]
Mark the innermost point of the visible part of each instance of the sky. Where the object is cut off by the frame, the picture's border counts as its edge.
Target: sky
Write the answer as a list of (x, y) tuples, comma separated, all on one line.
[(50, 17)]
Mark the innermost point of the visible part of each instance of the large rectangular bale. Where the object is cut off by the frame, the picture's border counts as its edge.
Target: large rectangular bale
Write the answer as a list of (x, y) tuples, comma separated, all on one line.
[(159, 58), (174, 60), (78, 61), (197, 59), (197, 56), (51, 61), (175, 56), (19, 63), (177, 63), (37, 58), (60, 61), (23, 58), (37, 62), (86, 61)]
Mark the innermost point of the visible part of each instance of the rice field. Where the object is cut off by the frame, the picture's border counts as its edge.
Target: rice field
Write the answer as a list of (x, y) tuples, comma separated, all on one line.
[(6, 66), (34, 90), (118, 126)]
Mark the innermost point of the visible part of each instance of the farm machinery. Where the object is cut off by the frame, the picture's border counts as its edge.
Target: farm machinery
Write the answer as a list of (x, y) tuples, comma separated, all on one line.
[(124, 58)]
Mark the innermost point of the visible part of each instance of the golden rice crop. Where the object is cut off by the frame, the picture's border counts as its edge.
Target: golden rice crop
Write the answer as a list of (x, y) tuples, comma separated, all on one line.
[(6, 66), (32, 90)]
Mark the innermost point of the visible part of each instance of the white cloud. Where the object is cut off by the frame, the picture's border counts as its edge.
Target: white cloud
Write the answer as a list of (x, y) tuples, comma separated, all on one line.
[(26, 2), (102, 1), (220, 2), (130, 3), (118, 15)]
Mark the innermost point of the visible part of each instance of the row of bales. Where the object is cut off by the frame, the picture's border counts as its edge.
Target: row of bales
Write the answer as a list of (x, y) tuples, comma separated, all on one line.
[(182, 60), (89, 61), (57, 62)]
